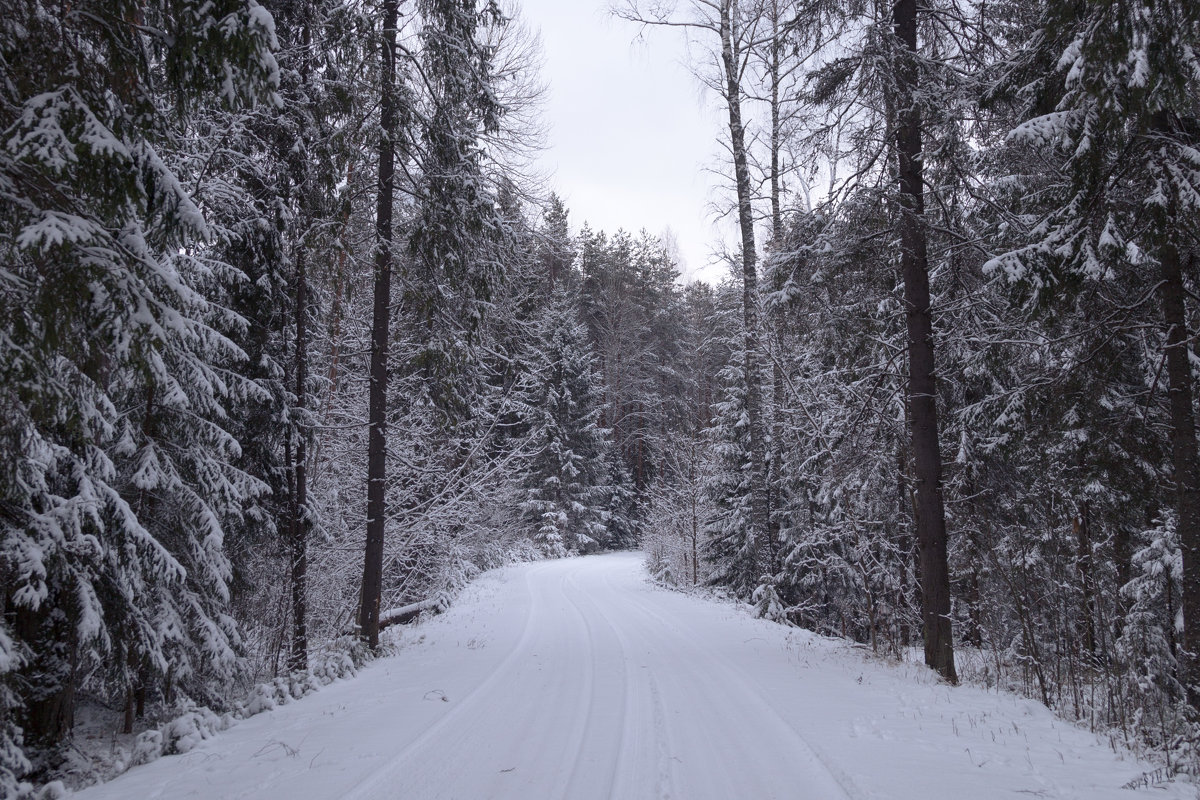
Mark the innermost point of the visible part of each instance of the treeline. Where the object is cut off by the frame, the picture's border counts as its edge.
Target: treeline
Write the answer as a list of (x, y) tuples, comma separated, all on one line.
[(959, 408)]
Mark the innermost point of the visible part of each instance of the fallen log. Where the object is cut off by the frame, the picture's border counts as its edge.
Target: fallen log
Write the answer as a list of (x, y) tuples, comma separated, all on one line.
[(402, 615)]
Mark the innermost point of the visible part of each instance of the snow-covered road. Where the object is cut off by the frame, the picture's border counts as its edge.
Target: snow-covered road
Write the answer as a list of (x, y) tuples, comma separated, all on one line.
[(578, 679)]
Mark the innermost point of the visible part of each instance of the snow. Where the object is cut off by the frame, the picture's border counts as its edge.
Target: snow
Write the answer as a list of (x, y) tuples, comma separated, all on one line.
[(1043, 131), (55, 228), (578, 678)]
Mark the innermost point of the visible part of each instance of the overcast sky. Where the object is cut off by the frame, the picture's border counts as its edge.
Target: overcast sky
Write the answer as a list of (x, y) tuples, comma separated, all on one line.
[(631, 134)]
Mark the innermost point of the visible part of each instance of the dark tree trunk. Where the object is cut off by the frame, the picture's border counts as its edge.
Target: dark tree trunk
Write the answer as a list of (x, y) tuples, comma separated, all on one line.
[(1123, 557), (1083, 538), (906, 508), (730, 57), (692, 491), (130, 707), (372, 586), (300, 520), (922, 388), (131, 699), (1183, 451)]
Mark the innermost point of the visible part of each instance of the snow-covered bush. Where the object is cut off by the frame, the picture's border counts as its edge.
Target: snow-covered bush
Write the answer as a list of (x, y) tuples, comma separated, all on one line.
[(147, 747), (190, 728), (674, 524)]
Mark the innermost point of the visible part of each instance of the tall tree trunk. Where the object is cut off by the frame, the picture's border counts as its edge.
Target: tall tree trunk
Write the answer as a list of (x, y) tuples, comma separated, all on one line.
[(1183, 451), (922, 388), (692, 491), (776, 482), (372, 586), (730, 58), (300, 519), (127, 717), (776, 127), (1082, 525)]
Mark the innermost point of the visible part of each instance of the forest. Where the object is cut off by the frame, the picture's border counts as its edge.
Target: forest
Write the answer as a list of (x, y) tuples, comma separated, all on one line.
[(295, 342)]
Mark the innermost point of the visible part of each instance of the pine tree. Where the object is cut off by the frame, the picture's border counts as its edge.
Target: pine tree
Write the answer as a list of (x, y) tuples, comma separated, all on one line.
[(277, 217), (922, 388), (450, 268), (556, 249), (1148, 645), (453, 271)]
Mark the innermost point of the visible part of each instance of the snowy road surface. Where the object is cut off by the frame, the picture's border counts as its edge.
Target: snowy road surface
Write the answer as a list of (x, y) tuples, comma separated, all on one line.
[(578, 679)]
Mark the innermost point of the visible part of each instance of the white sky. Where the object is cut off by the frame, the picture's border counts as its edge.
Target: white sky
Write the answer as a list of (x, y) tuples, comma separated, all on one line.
[(631, 133)]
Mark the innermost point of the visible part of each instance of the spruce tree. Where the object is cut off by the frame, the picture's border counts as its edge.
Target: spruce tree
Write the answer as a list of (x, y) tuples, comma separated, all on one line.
[(567, 482), (114, 376), (1119, 116)]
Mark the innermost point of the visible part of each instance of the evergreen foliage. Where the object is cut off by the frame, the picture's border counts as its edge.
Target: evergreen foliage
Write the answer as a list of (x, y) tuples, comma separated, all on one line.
[(116, 374), (566, 473)]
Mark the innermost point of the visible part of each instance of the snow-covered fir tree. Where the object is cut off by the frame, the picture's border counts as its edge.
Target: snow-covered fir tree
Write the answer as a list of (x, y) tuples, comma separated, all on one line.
[(736, 552), (115, 375), (567, 482)]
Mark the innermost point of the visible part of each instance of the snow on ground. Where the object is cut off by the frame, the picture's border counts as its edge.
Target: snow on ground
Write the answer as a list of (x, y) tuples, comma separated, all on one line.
[(580, 679)]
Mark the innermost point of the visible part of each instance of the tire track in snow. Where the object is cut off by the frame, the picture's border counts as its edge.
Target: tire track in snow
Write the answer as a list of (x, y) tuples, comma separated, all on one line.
[(370, 785), (581, 717), (665, 779), (713, 681), (622, 772), (699, 734), (669, 717), (686, 757), (734, 678)]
